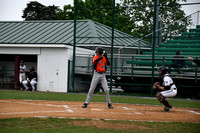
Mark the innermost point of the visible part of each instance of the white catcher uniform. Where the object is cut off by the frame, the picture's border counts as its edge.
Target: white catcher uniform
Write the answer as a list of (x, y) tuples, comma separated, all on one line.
[(167, 81)]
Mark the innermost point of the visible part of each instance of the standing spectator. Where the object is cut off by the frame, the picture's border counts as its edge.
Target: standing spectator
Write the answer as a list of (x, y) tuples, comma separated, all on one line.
[(22, 71), (177, 63), (194, 60), (100, 62), (31, 79)]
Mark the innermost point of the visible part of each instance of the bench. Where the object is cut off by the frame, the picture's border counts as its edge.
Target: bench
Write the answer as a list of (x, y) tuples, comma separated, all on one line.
[(175, 49), (183, 41), (186, 45), (172, 53)]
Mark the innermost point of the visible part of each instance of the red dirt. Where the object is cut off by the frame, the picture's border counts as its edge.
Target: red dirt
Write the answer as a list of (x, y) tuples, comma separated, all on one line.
[(35, 108)]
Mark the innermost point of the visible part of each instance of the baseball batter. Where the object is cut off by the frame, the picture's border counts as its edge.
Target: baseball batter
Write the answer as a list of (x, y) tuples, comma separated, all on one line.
[(100, 63), (168, 87)]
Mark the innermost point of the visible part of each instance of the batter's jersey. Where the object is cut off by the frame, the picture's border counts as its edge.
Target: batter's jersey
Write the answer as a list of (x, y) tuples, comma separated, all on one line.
[(101, 65), (168, 82)]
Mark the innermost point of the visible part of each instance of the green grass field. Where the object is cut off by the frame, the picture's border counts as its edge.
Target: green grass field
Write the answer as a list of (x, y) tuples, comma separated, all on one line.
[(57, 125)]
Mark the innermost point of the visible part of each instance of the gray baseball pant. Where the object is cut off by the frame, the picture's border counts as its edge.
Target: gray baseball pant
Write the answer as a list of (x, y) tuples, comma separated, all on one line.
[(95, 80)]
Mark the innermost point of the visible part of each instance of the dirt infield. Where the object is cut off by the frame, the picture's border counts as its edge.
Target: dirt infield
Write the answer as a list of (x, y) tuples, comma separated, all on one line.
[(63, 109)]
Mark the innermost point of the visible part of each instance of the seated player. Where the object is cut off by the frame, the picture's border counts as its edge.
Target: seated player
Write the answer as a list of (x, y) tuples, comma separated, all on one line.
[(31, 79)]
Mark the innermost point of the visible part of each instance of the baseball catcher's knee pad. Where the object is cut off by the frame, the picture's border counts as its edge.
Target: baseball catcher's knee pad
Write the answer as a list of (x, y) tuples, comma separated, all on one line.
[(160, 97)]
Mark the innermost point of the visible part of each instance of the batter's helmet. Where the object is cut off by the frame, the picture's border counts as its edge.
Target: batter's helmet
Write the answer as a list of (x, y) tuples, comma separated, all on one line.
[(99, 49)]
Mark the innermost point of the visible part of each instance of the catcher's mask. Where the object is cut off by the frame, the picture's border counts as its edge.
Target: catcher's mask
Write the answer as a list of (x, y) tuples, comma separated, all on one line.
[(99, 49), (163, 70)]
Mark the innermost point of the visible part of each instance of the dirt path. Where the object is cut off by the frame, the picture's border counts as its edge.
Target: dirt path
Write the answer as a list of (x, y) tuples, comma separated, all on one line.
[(37, 108)]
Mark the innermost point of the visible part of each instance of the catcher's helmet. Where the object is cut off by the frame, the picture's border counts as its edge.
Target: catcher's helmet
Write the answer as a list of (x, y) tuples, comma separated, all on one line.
[(99, 49), (32, 69), (163, 70)]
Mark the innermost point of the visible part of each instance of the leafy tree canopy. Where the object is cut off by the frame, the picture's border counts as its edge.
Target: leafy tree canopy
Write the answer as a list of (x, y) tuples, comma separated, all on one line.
[(37, 11), (134, 17), (141, 12), (100, 11)]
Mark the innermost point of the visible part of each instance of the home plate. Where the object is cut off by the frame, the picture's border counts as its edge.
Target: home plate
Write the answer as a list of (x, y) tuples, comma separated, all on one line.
[(96, 109)]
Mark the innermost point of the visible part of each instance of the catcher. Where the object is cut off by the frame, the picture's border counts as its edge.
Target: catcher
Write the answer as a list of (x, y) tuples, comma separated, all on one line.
[(168, 88)]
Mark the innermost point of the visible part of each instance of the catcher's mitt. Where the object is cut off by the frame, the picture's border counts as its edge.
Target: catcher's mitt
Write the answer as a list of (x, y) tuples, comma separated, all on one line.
[(156, 85)]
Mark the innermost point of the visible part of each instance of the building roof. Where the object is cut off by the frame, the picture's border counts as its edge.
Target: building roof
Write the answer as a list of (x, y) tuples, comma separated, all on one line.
[(61, 32)]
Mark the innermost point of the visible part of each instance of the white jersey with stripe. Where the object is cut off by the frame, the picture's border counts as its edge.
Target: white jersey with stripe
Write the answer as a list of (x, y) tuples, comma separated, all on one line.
[(167, 81)]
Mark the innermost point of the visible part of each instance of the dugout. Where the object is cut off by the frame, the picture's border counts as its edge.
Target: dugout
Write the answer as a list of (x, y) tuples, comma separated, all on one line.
[(9, 65)]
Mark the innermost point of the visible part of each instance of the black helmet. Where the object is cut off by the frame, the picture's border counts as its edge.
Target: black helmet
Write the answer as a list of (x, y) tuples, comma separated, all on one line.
[(163, 70), (99, 49)]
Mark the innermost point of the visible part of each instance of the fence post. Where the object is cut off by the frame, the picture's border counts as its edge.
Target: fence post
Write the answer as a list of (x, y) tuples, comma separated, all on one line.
[(74, 42), (139, 47), (160, 32), (170, 32), (196, 72), (115, 62), (132, 67), (163, 61), (89, 63), (186, 24), (122, 59), (197, 17), (68, 76), (16, 84), (112, 43), (154, 42)]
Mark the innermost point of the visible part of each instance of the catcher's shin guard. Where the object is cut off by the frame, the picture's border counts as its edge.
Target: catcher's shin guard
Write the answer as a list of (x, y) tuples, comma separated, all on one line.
[(162, 99)]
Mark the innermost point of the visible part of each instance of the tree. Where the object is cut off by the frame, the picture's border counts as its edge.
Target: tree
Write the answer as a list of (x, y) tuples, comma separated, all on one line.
[(67, 13), (37, 11), (141, 12), (134, 17), (100, 11)]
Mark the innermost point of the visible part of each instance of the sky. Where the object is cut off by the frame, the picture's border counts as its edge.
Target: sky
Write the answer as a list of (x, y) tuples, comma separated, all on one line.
[(12, 10)]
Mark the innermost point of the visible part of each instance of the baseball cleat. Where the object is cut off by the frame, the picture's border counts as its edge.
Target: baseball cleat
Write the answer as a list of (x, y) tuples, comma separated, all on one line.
[(84, 105), (110, 106), (166, 109)]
